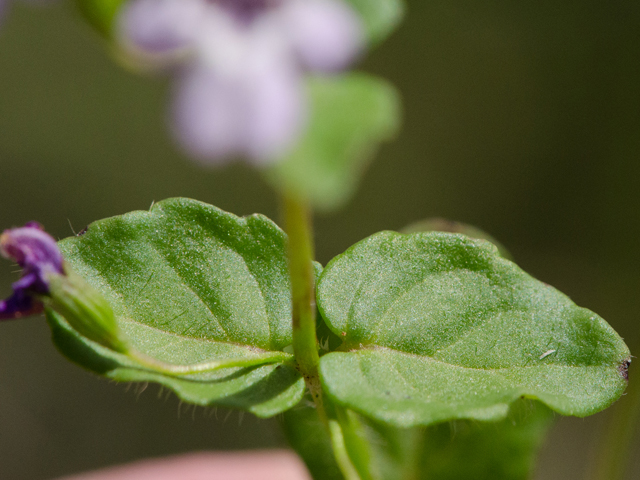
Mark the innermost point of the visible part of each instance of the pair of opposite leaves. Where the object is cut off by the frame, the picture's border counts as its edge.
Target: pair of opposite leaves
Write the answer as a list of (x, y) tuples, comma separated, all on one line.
[(434, 326)]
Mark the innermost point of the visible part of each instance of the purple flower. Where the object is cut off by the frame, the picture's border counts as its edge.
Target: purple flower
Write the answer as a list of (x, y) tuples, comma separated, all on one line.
[(37, 253), (240, 87)]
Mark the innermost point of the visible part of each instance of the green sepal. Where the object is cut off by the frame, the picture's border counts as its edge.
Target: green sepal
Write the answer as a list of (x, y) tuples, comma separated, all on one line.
[(350, 116), (439, 326), (85, 309)]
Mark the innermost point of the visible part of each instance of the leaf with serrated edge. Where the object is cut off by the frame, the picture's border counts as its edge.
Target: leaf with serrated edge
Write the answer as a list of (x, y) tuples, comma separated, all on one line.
[(189, 284), (437, 326)]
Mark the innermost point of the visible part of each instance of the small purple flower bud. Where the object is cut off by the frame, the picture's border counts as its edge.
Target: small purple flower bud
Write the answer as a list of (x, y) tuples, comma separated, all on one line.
[(37, 253), (46, 281)]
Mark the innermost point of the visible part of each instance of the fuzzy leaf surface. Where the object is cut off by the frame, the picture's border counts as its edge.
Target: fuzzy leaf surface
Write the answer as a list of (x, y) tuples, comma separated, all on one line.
[(438, 326), (189, 284), (350, 116), (443, 225)]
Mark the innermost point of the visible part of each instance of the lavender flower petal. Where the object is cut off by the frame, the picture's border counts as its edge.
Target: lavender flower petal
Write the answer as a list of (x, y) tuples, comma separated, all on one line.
[(327, 35), (32, 248), (243, 96), (240, 93), (208, 114), (38, 255), (161, 26), (276, 113), (20, 304), (216, 118)]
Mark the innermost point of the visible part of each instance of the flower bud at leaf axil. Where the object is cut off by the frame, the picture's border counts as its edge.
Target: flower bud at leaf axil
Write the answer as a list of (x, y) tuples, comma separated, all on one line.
[(85, 309), (48, 281)]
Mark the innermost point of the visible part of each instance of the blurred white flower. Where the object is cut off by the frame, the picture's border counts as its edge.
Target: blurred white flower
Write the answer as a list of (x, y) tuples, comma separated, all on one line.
[(239, 89)]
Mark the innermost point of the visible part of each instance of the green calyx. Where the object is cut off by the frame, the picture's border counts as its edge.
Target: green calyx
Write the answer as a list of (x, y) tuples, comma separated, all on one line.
[(85, 309)]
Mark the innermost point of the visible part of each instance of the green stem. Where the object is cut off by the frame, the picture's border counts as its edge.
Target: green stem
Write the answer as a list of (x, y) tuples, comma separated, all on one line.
[(340, 451), (350, 447), (303, 298), (305, 343)]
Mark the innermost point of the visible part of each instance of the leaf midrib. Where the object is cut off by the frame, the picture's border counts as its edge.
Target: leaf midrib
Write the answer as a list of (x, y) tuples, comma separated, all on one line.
[(252, 348), (373, 348)]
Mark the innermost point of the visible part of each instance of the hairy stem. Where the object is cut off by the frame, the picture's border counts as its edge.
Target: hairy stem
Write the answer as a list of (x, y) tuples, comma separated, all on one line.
[(305, 343), (301, 253)]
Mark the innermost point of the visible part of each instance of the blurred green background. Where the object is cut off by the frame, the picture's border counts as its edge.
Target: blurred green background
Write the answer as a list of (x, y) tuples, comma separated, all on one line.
[(522, 118)]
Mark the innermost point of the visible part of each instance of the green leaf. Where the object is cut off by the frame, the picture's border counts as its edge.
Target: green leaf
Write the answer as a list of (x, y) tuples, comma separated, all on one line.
[(504, 450), (351, 115), (438, 327), (443, 225), (100, 13), (323, 446), (308, 436), (380, 17), (461, 450), (190, 284), (395, 452), (458, 450)]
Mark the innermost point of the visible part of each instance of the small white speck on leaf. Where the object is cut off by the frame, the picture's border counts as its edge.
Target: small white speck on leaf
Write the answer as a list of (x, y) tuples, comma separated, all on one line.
[(547, 353)]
